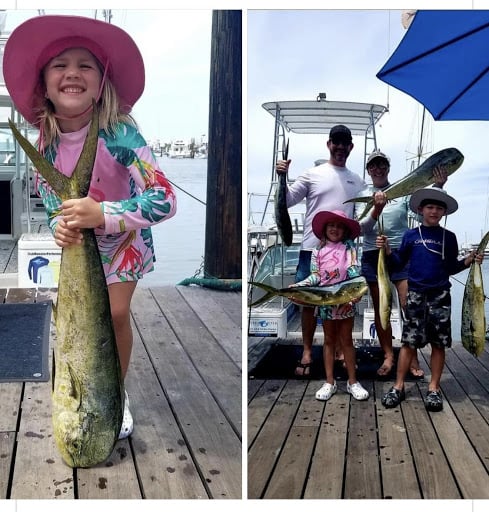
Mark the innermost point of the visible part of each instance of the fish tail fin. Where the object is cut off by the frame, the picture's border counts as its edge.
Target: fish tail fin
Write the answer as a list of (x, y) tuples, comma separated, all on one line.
[(271, 292), (58, 182)]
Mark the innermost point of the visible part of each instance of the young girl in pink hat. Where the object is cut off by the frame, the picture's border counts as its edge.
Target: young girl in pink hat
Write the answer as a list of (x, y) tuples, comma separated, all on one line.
[(53, 66), (333, 261)]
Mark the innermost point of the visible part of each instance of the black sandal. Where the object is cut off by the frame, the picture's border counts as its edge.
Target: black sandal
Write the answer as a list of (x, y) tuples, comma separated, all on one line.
[(306, 370), (434, 401), (393, 398)]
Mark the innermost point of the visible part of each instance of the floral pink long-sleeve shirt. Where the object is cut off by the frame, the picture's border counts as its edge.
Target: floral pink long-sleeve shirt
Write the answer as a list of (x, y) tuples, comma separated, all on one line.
[(133, 192)]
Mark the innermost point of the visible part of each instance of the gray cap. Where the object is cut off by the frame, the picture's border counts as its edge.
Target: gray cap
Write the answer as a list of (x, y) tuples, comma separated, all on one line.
[(377, 154)]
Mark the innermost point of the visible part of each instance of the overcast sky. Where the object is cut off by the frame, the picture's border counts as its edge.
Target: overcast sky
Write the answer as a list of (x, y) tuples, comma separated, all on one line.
[(175, 46), (294, 55)]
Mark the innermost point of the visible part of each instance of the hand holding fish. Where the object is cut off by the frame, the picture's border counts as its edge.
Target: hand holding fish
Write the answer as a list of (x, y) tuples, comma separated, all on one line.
[(65, 236), (380, 200), (440, 175), (282, 166), (473, 256), (383, 241), (82, 213)]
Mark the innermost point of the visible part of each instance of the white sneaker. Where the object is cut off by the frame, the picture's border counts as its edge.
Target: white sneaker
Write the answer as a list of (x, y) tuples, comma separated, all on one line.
[(357, 391), (127, 423), (327, 391)]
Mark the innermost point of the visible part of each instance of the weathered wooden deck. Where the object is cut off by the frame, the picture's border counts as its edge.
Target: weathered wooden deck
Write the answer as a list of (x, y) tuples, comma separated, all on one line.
[(185, 388), (302, 448)]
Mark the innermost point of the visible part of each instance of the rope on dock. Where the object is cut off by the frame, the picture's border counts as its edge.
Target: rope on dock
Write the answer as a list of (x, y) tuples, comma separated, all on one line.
[(213, 282)]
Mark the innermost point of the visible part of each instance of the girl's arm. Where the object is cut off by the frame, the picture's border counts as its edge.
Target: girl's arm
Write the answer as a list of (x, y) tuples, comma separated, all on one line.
[(153, 199)]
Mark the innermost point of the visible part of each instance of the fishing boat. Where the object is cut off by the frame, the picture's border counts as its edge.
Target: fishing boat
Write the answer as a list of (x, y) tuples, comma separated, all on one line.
[(270, 261), (22, 214)]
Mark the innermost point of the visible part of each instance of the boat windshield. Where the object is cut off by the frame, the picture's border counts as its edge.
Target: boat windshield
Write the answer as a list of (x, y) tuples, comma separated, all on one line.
[(278, 259)]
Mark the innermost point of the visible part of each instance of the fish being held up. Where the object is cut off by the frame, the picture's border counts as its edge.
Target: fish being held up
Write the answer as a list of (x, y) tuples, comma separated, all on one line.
[(282, 217), (385, 290), (473, 326), (339, 293), (87, 381), (450, 159)]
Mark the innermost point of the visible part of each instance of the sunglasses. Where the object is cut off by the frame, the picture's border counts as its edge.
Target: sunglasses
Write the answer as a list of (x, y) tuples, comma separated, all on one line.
[(340, 140), (381, 167)]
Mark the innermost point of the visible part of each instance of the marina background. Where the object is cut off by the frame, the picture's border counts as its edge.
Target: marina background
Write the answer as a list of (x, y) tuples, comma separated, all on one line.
[(179, 242)]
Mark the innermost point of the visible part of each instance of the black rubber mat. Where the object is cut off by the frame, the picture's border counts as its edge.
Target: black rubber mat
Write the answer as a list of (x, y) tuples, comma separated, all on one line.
[(24, 342)]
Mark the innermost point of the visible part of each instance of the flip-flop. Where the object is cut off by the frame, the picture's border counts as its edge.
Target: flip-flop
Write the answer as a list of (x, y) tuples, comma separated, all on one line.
[(416, 373), (305, 369)]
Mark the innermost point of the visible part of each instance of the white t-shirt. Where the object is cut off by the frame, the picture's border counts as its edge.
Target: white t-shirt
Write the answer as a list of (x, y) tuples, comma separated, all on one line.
[(325, 188)]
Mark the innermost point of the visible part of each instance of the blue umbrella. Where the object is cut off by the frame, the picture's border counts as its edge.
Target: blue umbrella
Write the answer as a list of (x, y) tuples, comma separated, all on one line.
[(443, 62)]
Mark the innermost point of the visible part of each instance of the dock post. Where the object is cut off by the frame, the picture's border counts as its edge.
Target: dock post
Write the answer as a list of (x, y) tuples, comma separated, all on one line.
[(223, 231)]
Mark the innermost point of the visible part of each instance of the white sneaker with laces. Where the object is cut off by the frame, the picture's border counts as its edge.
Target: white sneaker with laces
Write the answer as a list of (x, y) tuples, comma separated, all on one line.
[(327, 391), (127, 422), (357, 391)]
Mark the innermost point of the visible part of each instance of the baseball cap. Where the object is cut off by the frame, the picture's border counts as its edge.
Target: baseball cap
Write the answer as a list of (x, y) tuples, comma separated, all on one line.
[(340, 132), (377, 154)]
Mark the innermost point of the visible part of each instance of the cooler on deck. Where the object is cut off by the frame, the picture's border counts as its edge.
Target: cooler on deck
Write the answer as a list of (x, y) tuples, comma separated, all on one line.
[(39, 261)]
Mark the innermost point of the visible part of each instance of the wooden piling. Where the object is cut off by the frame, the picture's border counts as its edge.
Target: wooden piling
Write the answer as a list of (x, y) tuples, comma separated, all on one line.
[(224, 166)]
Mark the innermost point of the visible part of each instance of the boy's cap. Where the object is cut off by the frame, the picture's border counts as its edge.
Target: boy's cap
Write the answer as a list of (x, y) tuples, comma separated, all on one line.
[(437, 195), (340, 131)]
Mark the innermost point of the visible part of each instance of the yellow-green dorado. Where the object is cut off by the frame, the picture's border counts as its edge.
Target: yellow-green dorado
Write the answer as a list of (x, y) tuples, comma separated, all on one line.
[(473, 327), (339, 293), (87, 382), (385, 291), (449, 159)]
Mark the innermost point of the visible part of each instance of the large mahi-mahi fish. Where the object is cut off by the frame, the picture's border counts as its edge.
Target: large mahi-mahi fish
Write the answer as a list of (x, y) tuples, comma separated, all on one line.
[(334, 294), (87, 382), (384, 285), (282, 217), (450, 159), (473, 326)]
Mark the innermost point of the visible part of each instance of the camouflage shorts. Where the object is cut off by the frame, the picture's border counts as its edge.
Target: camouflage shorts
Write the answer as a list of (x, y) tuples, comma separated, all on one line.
[(428, 319)]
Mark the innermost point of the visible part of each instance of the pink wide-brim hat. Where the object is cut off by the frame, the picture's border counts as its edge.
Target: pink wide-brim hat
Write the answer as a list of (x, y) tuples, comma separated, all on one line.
[(322, 218), (36, 41)]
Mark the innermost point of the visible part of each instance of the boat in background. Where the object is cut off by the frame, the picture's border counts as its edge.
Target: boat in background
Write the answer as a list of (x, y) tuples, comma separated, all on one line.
[(270, 261)]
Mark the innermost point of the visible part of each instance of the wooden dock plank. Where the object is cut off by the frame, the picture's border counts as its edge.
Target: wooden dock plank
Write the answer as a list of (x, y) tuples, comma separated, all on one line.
[(433, 470), (216, 320), (261, 406), (221, 374), (116, 478), (39, 470), (399, 480), (11, 393), (362, 477), (464, 391), (215, 446), (290, 473), (165, 466), (253, 385), (7, 442), (328, 460), (266, 447)]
